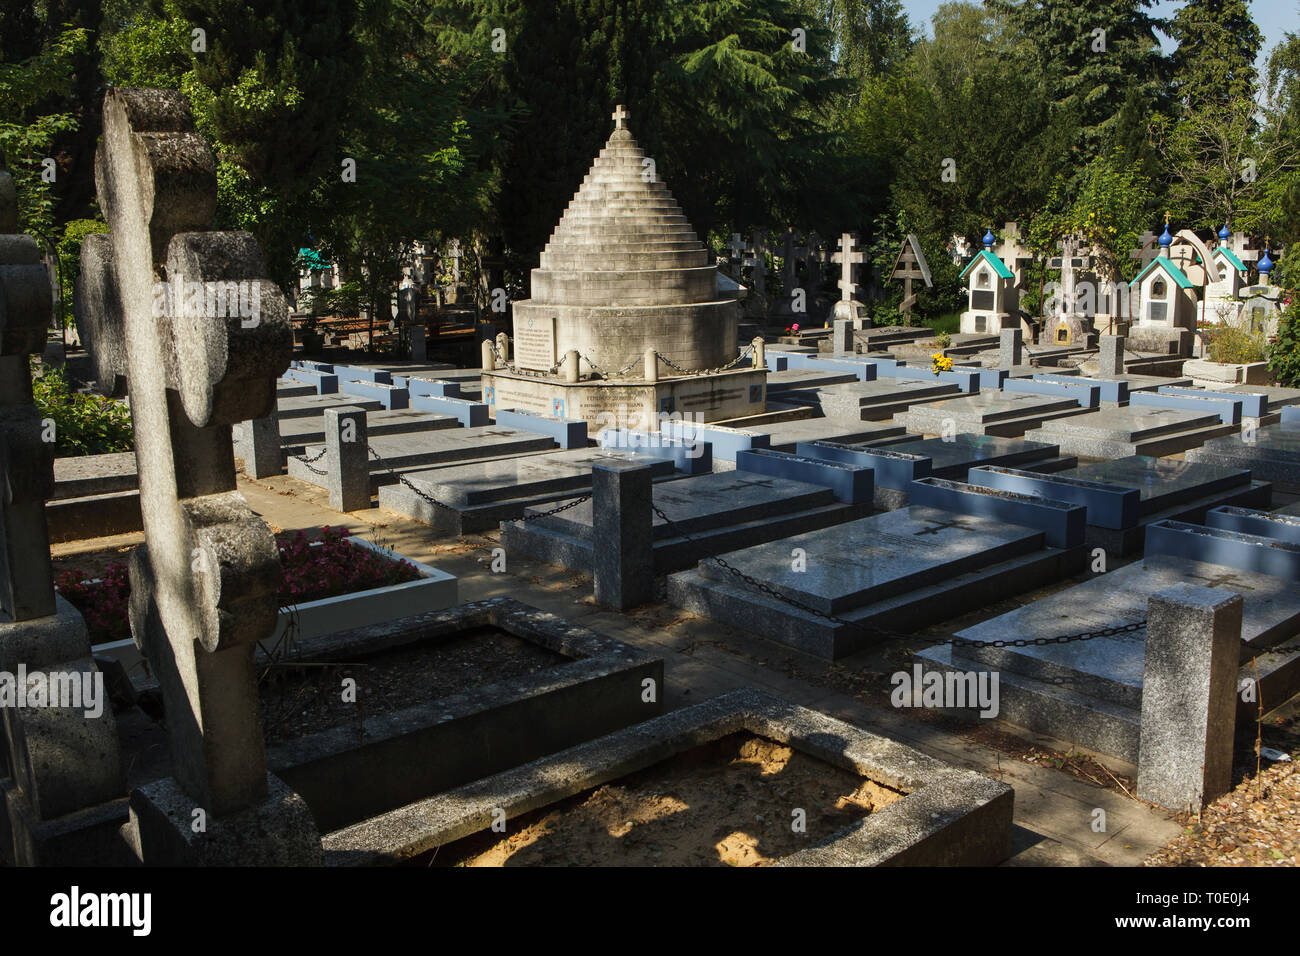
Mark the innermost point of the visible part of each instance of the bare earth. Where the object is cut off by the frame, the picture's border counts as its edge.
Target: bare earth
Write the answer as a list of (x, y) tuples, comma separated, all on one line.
[(729, 803)]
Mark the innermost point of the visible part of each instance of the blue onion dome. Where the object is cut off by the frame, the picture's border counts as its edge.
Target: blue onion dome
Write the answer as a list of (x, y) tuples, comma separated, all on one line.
[(989, 239), (1225, 233), (1166, 240), (1265, 264)]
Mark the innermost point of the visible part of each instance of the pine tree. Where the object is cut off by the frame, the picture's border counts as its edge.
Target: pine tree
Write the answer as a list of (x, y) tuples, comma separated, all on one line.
[(1218, 43), (1090, 59)]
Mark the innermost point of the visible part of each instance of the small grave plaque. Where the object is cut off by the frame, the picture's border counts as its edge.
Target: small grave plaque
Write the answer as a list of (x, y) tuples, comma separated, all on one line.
[(535, 343)]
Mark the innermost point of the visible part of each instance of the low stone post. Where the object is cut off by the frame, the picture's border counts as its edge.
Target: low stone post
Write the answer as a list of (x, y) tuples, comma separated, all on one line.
[(260, 447), (623, 557), (419, 347), (651, 366), (842, 337), (489, 356), (572, 366), (1189, 696), (347, 458), (503, 346), (1111, 357), (760, 353), (1010, 346)]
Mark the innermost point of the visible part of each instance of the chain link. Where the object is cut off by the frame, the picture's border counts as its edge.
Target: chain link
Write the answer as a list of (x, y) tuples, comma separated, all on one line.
[(314, 458)]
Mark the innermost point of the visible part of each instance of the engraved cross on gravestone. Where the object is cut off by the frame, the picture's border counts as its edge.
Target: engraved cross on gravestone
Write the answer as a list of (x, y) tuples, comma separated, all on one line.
[(204, 585)]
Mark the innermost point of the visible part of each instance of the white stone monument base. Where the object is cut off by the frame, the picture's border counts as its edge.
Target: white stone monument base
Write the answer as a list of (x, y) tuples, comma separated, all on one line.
[(993, 323), (631, 403)]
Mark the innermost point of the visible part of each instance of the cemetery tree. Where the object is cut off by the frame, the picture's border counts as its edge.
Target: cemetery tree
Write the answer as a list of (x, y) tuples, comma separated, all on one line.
[(1214, 61), (34, 113), (1281, 202), (1090, 58), (871, 37)]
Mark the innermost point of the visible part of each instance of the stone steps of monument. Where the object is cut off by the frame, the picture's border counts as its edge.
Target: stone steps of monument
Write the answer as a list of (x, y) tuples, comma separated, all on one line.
[(694, 283), (618, 232), (631, 248), (576, 222), (629, 188), (625, 261), (622, 205)]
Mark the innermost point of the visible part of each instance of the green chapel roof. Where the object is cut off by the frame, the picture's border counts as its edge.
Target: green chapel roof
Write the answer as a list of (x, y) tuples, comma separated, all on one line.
[(1231, 257), (1175, 273), (998, 266)]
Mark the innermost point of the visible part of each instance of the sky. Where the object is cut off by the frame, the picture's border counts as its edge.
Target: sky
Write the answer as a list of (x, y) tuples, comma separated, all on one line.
[(1274, 18)]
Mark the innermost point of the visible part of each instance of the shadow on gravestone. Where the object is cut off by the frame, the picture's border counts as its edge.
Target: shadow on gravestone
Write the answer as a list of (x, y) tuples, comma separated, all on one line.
[(64, 802), (199, 335)]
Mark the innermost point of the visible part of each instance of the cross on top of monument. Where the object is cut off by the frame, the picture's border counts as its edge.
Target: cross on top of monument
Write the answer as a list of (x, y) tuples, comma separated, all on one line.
[(620, 116)]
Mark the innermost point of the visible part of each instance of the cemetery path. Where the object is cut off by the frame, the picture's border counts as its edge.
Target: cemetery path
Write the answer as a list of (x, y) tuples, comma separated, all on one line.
[(1055, 813)]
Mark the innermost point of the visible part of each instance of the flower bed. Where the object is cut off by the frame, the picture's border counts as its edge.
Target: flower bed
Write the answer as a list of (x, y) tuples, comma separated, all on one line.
[(323, 579)]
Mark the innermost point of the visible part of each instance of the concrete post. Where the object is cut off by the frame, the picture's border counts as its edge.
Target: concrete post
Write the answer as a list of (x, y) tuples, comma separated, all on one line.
[(842, 337), (1010, 345), (760, 353), (419, 348), (347, 458), (572, 370), (623, 557), (1111, 356), (651, 366), (503, 346), (489, 356), (1189, 696), (260, 447)]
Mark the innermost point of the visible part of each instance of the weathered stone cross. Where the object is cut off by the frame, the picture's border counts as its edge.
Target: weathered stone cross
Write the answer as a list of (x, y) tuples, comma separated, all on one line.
[(204, 586), (26, 462), (620, 115), (847, 258)]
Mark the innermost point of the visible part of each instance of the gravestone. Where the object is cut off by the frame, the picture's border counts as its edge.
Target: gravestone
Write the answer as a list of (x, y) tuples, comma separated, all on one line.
[(60, 772), (1112, 432), (1110, 356), (1009, 347), (204, 585)]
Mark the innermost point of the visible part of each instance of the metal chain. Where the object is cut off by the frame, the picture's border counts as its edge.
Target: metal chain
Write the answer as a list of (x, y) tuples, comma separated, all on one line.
[(744, 354), (314, 458)]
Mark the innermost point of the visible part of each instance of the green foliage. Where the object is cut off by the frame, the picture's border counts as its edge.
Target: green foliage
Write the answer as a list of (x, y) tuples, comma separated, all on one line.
[(69, 252), (1234, 346), (1218, 43), (28, 130), (83, 424), (1284, 349)]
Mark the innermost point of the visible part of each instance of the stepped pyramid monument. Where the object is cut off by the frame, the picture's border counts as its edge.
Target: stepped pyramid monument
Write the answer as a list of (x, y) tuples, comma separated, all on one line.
[(626, 320)]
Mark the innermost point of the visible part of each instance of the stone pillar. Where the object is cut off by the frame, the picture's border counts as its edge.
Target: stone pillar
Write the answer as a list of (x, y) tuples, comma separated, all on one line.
[(489, 356), (760, 353), (623, 558), (1010, 344), (1189, 696), (260, 447), (419, 349), (572, 363), (842, 337), (1111, 356), (347, 458), (651, 366), (503, 347)]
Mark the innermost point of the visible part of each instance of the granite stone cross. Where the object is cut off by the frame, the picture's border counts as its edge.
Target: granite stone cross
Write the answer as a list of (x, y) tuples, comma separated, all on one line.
[(620, 117), (204, 585)]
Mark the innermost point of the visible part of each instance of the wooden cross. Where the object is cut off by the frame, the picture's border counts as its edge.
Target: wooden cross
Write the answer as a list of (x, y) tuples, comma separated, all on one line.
[(847, 258), (26, 461), (620, 114), (204, 585), (759, 262), (1146, 250), (789, 276), (910, 265)]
